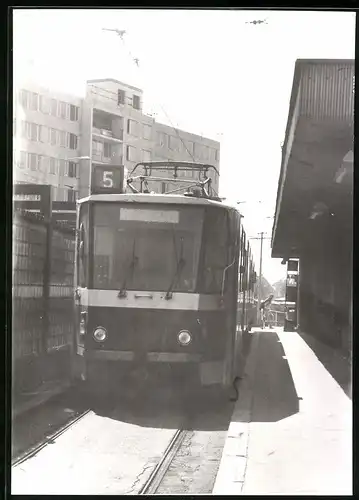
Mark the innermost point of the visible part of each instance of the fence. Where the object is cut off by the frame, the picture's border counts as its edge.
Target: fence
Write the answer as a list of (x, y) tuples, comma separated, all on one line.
[(43, 268)]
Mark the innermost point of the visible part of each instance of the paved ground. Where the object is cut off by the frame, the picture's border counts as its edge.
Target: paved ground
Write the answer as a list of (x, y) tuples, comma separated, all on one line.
[(291, 428), (114, 448), (98, 455)]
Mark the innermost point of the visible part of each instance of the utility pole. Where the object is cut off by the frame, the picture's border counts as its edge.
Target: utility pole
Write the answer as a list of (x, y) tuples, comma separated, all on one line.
[(259, 287), (260, 280)]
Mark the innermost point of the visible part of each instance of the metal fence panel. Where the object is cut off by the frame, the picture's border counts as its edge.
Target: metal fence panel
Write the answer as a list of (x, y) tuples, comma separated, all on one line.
[(61, 310), (28, 308)]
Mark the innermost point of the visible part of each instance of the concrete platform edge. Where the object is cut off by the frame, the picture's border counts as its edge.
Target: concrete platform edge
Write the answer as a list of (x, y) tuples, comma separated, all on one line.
[(232, 469)]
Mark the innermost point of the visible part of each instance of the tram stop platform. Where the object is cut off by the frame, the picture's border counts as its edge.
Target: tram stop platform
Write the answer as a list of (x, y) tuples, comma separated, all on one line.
[(291, 429)]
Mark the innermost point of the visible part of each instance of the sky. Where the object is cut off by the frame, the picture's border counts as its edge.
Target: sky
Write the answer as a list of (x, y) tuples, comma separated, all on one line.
[(212, 73)]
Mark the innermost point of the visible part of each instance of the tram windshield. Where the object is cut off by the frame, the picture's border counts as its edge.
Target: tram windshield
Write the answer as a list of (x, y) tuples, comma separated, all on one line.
[(142, 247)]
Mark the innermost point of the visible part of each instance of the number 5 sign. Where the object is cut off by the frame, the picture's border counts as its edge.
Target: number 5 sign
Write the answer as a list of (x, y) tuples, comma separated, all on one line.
[(107, 179)]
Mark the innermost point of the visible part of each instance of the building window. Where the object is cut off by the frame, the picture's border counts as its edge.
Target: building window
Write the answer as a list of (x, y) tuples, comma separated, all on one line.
[(34, 102), (72, 169), (22, 160), (162, 139), (32, 161), (62, 109), (61, 167), (136, 103), (52, 166), (107, 150), (205, 153), (44, 134), (74, 113), (44, 164), (196, 150), (147, 132), (130, 153), (173, 143), (71, 195), (34, 132), (146, 155), (53, 136), (97, 147), (121, 96), (132, 127), (24, 98), (73, 141), (63, 134), (53, 107), (217, 155), (163, 187), (44, 105)]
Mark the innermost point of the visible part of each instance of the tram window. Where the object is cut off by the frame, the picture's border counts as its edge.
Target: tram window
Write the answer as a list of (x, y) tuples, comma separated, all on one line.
[(83, 247), (143, 252), (216, 250)]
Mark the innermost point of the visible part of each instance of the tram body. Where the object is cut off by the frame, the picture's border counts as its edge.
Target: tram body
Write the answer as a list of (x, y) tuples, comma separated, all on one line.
[(156, 290)]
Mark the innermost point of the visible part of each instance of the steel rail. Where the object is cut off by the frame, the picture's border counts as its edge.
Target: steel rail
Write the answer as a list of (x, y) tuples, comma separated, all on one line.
[(151, 485), (48, 440)]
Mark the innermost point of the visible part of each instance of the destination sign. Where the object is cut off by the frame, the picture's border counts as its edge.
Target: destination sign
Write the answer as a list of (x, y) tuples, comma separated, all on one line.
[(148, 215), (107, 179)]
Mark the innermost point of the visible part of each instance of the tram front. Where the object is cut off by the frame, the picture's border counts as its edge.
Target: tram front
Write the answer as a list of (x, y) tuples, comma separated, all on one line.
[(156, 290)]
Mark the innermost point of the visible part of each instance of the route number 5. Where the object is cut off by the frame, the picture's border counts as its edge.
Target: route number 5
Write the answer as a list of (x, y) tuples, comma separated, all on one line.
[(107, 179)]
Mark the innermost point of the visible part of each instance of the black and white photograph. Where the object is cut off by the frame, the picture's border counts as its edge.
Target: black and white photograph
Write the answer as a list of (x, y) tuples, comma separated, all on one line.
[(182, 251)]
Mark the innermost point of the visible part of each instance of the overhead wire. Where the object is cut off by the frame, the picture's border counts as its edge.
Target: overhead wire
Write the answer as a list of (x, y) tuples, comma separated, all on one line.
[(135, 60)]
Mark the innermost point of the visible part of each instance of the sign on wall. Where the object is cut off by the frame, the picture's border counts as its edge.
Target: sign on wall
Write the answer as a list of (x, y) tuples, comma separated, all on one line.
[(107, 179)]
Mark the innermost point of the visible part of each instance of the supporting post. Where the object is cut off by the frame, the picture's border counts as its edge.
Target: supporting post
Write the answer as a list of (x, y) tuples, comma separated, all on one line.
[(259, 288), (46, 200)]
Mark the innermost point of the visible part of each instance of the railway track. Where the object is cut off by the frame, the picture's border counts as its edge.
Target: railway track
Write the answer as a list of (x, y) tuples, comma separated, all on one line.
[(181, 461), (153, 482), (48, 440)]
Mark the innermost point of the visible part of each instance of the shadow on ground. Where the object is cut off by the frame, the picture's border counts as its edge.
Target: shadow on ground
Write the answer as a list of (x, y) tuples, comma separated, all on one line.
[(271, 387), (338, 366), (30, 428), (168, 409)]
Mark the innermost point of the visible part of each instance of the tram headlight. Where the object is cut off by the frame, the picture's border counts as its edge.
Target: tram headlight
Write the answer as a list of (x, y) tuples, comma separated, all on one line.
[(100, 334), (184, 337)]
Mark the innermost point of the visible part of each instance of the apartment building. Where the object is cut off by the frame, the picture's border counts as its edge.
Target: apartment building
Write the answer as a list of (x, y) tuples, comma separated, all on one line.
[(114, 128), (174, 144), (58, 138), (46, 139)]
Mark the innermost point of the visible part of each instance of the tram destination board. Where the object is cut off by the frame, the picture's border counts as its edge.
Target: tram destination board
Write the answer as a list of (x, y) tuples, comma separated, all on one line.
[(107, 179)]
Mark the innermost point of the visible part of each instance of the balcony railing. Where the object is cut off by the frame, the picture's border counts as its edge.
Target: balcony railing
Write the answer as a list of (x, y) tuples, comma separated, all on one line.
[(108, 134)]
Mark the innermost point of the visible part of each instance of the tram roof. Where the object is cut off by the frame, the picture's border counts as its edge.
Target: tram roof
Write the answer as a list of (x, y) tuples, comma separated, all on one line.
[(156, 198)]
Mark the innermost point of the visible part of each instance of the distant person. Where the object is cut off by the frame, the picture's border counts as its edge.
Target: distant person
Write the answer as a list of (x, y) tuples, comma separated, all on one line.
[(264, 308)]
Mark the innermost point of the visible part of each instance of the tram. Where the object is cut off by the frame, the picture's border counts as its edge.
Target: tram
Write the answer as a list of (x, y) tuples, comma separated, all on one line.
[(157, 278)]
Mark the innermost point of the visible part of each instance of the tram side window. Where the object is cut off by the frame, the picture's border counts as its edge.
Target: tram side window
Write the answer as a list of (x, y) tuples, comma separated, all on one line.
[(216, 250), (83, 246)]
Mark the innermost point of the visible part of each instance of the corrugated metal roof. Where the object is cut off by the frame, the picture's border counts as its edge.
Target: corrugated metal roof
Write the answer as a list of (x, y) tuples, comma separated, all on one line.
[(327, 89)]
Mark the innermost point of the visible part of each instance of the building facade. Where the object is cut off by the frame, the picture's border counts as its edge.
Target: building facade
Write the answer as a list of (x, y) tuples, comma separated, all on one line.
[(46, 139), (58, 138)]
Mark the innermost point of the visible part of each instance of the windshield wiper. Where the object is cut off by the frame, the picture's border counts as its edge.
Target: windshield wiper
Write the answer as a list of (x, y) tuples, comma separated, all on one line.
[(180, 265), (123, 293)]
